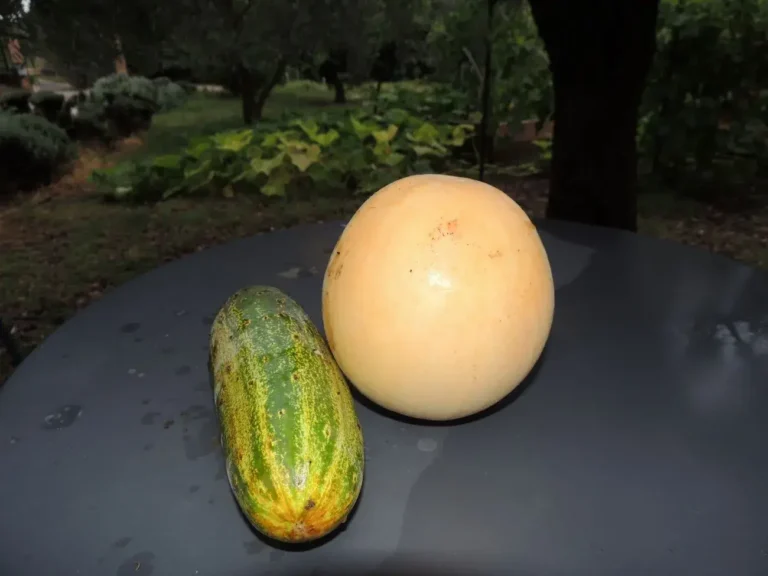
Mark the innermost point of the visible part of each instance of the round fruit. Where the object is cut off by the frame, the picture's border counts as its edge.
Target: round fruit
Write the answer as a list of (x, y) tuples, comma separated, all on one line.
[(438, 298)]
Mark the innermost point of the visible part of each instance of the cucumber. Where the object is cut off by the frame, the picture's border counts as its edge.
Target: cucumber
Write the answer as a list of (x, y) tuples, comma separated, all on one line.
[(292, 441)]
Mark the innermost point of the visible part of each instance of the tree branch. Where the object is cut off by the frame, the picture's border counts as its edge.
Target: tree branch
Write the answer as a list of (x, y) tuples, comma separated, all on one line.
[(472, 62)]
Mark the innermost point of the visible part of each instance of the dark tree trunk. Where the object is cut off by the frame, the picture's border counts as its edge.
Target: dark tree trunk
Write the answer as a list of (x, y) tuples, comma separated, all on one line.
[(267, 88), (338, 86), (248, 94), (331, 70), (600, 55), (486, 104), (376, 97)]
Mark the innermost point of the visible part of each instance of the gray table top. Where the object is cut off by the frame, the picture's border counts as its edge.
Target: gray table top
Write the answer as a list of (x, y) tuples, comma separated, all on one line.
[(636, 447)]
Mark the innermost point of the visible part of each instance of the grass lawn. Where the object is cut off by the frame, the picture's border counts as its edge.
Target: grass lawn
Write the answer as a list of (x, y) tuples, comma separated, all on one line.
[(209, 113), (63, 247)]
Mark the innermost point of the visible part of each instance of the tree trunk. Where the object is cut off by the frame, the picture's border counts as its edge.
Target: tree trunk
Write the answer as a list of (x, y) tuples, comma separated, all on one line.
[(376, 97), (267, 88), (338, 86), (247, 94), (486, 92), (600, 54)]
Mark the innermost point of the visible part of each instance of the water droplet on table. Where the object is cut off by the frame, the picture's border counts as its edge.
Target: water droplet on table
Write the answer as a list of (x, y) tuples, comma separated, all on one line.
[(64, 417), (427, 444)]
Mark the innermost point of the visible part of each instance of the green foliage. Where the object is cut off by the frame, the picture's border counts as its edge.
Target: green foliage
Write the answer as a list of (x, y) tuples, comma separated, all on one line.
[(358, 152), (116, 85), (520, 81), (97, 32), (32, 149), (129, 102), (170, 95), (15, 101), (438, 102), (705, 111), (88, 123)]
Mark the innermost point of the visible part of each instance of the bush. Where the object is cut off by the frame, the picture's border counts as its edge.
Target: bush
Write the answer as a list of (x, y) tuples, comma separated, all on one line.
[(705, 109), (129, 102), (138, 87), (49, 104), (170, 95), (33, 150), (15, 101), (89, 124), (331, 154)]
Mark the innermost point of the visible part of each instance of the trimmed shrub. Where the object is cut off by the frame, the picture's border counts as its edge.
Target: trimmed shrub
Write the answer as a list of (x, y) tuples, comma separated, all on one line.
[(15, 101), (129, 102), (89, 123), (47, 104), (33, 151), (138, 87), (170, 96), (129, 115)]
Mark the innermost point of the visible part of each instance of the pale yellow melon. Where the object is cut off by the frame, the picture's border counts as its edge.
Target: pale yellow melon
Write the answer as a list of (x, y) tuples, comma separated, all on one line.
[(438, 298)]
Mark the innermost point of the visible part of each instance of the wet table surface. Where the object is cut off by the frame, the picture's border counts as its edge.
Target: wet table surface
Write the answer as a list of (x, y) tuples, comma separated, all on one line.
[(636, 447)]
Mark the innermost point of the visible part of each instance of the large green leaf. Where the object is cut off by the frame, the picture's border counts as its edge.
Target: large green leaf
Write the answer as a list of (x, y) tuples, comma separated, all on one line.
[(362, 129), (267, 165), (393, 159), (233, 141), (325, 139), (167, 161), (385, 136), (425, 134), (304, 157), (279, 179)]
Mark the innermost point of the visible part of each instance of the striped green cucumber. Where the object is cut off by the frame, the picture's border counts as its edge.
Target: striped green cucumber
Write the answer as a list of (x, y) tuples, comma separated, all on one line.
[(292, 441)]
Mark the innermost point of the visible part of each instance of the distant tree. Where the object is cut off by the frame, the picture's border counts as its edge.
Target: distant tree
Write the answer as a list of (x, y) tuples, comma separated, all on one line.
[(600, 54), (81, 51), (11, 17)]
